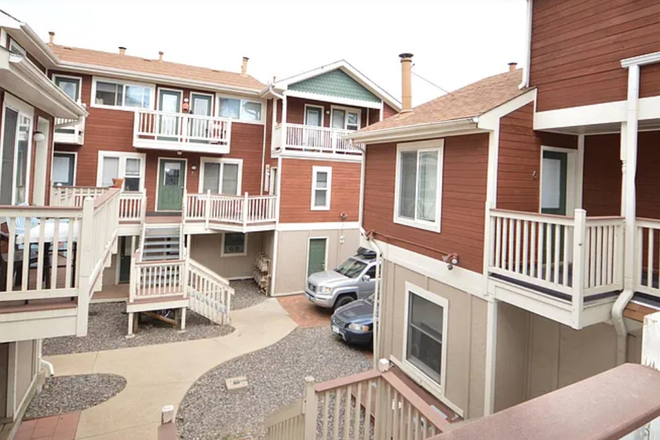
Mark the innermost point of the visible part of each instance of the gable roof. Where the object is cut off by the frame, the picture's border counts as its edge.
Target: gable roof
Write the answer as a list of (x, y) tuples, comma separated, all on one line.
[(72, 56), (468, 102), (320, 77)]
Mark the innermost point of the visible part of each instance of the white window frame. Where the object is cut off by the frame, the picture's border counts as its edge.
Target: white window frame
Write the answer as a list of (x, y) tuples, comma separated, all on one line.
[(210, 95), (272, 184), (75, 164), (433, 145), (322, 114), (122, 165), (315, 171), (80, 81), (151, 87), (25, 110), (13, 44), (346, 110), (241, 100), (241, 254), (407, 366), (204, 160)]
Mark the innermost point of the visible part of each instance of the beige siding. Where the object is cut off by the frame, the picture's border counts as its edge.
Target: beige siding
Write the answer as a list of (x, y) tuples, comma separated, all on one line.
[(466, 334), (292, 255), (4, 363), (25, 370), (206, 249), (536, 355)]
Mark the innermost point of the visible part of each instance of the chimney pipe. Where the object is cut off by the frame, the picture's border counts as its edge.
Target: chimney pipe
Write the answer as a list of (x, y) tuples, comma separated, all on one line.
[(406, 86), (513, 66), (122, 50), (160, 56), (51, 38), (244, 66)]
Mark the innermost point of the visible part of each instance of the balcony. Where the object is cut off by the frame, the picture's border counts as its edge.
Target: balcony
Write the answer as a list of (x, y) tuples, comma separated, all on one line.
[(52, 260), (181, 132), (70, 131), (230, 213), (567, 268), (304, 140)]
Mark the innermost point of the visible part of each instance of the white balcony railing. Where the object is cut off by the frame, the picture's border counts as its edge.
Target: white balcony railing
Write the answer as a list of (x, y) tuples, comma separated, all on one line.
[(70, 131), (309, 139), (132, 207), (132, 204), (181, 132), (575, 256), (246, 210)]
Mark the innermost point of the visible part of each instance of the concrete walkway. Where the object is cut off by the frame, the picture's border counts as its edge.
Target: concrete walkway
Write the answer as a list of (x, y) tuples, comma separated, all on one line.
[(159, 375)]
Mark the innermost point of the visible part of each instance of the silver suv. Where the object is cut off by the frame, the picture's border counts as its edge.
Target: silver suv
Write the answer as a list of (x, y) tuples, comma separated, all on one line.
[(354, 279)]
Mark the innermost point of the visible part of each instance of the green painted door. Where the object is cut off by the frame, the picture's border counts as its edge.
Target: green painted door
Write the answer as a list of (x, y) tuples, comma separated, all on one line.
[(316, 262), (170, 184), (553, 182)]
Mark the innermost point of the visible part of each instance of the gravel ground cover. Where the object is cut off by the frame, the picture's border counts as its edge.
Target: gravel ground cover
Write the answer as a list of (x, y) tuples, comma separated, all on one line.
[(276, 377), (247, 294), (108, 324), (64, 394)]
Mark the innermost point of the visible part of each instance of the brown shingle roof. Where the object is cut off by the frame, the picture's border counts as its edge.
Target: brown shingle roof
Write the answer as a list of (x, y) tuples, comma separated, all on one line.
[(155, 67), (472, 100)]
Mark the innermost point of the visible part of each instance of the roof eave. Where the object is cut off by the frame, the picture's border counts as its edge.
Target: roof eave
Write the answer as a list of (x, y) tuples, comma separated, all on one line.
[(418, 131), (151, 77)]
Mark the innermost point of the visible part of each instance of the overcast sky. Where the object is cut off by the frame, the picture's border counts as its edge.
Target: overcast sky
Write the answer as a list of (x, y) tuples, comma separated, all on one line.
[(455, 42)]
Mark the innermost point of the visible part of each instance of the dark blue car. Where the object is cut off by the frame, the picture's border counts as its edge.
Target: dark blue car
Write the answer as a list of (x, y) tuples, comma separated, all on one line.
[(354, 322)]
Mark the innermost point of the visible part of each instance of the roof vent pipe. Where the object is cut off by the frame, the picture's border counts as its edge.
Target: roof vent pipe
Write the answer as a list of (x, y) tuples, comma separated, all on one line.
[(122, 50), (160, 56), (406, 86), (513, 66), (244, 66), (51, 38)]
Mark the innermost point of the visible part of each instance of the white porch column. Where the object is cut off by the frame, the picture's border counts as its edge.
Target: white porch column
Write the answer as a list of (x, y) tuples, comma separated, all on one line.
[(283, 124), (629, 172)]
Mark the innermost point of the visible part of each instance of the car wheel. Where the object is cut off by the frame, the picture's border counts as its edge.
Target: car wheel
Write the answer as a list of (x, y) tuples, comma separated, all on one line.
[(343, 301)]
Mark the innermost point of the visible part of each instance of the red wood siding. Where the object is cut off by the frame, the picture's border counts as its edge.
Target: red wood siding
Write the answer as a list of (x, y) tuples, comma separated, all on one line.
[(601, 186), (519, 159), (388, 111), (296, 191), (295, 113), (463, 199), (648, 182), (112, 130), (577, 47)]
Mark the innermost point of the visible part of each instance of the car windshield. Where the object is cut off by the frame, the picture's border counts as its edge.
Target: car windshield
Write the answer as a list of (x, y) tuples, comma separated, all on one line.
[(351, 268)]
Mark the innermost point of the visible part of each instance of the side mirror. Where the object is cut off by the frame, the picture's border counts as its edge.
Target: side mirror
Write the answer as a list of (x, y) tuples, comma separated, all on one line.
[(366, 278)]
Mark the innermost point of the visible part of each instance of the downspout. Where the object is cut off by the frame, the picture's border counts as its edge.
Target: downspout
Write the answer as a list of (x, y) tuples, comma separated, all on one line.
[(528, 50), (377, 295), (44, 364), (629, 168)]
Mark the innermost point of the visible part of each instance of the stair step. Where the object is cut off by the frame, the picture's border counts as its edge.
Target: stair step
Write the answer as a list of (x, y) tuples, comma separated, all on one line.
[(159, 257), (157, 249), (161, 242)]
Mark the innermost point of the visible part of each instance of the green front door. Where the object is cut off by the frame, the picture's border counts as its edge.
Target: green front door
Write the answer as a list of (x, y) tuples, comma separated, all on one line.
[(553, 182), (316, 262), (172, 175)]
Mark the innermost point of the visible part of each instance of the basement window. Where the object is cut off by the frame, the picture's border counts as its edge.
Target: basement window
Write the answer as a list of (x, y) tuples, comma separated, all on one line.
[(234, 245)]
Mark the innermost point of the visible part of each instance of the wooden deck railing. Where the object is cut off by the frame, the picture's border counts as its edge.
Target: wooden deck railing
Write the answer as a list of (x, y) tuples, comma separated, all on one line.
[(210, 294), (132, 206), (310, 139), (74, 195), (647, 258), (576, 256), (246, 210), (153, 128), (371, 405), (157, 278)]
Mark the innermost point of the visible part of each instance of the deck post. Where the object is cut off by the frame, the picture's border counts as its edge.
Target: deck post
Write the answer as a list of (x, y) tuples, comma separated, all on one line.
[(578, 266), (86, 261), (310, 409), (131, 320), (207, 210), (245, 212)]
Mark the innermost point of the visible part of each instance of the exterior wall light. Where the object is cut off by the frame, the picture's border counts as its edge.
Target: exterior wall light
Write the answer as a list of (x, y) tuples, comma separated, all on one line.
[(39, 136)]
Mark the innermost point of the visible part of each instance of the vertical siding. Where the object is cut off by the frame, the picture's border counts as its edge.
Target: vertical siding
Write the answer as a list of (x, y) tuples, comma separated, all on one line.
[(519, 159), (577, 47), (296, 191), (463, 200)]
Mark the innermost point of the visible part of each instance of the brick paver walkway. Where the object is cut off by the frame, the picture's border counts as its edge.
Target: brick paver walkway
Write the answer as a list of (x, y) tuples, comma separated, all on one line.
[(61, 427), (304, 312)]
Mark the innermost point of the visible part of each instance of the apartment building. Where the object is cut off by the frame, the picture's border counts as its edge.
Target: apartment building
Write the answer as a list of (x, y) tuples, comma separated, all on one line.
[(516, 217)]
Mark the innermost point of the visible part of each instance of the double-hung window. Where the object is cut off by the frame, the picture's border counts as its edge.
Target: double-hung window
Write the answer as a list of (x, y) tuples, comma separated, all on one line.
[(71, 86), (345, 118), (419, 184), (426, 332), (321, 186), (112, 93), (128, 166), (240, 109), (221, 176)]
